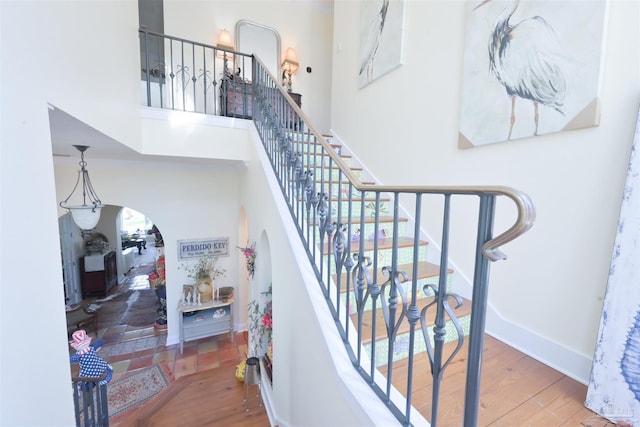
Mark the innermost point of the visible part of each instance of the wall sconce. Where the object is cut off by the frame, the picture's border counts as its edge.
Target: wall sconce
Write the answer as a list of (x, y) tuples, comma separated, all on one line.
[(85, 216), (289, 67), (224, 42)]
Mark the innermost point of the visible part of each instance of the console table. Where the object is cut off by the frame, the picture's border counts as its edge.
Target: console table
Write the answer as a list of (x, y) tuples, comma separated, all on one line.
[(208, 319)]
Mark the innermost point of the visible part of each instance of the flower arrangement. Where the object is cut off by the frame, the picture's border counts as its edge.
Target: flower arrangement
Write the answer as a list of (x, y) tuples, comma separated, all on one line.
[(249, 253), (205, 266), (261, 323)]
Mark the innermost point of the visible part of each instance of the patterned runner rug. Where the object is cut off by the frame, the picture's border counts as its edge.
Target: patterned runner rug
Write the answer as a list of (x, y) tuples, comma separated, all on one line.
[(135, 389)]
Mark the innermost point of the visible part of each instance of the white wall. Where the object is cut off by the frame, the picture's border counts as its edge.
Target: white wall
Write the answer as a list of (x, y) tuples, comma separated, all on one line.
[(185, 202), (74, 55), (305, 26), (550, 290)]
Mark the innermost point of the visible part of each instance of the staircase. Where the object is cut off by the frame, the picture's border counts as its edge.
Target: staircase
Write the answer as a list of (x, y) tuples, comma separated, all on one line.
[(390, 303), (387, 287), (428, 274), (377, 244)]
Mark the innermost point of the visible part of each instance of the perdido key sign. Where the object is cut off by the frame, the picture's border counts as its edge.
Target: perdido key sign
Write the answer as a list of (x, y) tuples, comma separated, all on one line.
[(189, 249)]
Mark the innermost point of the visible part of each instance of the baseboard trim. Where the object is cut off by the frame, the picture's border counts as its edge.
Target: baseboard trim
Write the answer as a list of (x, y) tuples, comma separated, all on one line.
[(555, 355)]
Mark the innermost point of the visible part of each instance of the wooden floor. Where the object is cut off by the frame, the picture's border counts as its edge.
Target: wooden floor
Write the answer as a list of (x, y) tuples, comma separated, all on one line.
[(515, 391), (209, 398)]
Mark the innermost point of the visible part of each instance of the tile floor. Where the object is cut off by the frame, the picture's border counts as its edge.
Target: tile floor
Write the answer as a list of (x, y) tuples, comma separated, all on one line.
[(127, 349)]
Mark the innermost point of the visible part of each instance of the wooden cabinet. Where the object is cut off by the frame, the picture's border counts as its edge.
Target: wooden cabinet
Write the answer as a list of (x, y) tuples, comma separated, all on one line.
[(98, 274), (297, 98), (235, 98), (205, 320)]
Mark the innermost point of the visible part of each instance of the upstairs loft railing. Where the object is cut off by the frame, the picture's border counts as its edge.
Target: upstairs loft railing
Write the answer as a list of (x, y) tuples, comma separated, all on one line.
[(178, 74), (370, 263)]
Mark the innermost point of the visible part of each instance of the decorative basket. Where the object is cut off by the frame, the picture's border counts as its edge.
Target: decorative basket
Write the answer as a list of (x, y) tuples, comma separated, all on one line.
[(226, 293)]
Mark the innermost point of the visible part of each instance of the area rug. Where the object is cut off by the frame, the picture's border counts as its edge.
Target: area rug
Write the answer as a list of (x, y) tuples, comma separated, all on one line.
[(135, 389)]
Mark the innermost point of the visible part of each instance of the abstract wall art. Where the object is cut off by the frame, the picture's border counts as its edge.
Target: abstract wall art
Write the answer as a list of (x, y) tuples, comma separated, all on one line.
[(614, 386), (531, 67), (381, 35)]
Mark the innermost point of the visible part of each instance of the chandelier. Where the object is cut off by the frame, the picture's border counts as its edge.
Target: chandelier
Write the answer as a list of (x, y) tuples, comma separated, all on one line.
[(86, 215)]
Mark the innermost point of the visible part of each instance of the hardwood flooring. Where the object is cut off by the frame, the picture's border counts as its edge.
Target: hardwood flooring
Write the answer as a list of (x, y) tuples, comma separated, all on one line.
[(516, 390), (209, 398)]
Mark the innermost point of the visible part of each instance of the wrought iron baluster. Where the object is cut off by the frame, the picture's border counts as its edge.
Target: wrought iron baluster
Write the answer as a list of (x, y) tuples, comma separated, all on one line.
[(389, 310)]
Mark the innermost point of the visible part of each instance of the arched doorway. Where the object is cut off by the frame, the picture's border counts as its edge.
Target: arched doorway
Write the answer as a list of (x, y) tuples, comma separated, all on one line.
[(127, 291)]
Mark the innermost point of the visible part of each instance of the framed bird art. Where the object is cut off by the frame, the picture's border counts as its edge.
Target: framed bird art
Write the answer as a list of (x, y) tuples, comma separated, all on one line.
[(531, 67), (381, 36)]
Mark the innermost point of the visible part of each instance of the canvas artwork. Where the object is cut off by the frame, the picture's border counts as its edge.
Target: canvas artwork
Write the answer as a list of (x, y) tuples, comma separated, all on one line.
[(614, 386), (531, 67), (381, 28)]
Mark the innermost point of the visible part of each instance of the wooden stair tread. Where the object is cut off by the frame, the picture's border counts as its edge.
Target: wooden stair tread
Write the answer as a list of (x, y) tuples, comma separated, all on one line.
[(369, 220), (381, 329), (355, 199), (332, 168), (386, 243), (320, 153), (342, 181), (425, 270)]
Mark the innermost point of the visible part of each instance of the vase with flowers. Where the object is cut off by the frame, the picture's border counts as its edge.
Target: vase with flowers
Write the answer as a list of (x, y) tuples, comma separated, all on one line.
[(249, 253), (204, 271)]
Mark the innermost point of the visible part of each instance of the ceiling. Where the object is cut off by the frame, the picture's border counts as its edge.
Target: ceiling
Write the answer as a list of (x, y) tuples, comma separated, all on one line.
[(67, 131)]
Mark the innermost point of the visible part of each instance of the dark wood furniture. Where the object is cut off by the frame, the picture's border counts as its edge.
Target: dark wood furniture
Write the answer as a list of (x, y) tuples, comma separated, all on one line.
[(293, 119), (297, 98), (235, 98), (98, 281)]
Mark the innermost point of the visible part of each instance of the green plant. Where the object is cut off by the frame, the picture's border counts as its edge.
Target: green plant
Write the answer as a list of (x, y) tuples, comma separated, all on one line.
[(261, 323), (203, 267)]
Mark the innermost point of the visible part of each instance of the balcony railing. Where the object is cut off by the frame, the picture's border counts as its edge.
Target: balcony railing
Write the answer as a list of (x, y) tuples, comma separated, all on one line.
[(90, 402), (182, 75), (385, 291)]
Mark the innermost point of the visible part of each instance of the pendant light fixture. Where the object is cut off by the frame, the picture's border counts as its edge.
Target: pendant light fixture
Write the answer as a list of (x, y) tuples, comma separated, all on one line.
[(86, 215)]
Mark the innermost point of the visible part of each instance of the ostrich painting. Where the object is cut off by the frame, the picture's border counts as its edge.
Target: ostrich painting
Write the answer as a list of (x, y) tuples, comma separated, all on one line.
[(536, 55)]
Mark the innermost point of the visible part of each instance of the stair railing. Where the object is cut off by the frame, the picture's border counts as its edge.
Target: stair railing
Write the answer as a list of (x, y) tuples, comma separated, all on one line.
[(370, 264), (338, 218), (90, 401)]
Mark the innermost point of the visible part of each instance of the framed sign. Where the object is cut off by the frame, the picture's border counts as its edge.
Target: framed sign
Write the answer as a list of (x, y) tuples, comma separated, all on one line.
[(190, 249)]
